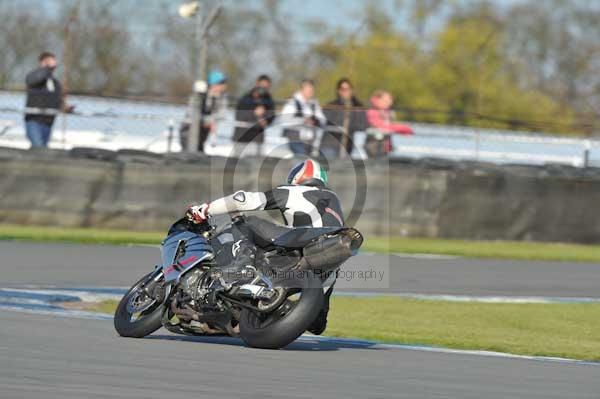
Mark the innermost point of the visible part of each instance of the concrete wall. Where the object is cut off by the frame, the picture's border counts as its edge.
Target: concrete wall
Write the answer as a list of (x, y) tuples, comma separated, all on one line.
[(432, 198)]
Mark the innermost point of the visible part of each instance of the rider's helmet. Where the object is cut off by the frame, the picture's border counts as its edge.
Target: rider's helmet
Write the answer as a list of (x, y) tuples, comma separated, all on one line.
[(308, 173)]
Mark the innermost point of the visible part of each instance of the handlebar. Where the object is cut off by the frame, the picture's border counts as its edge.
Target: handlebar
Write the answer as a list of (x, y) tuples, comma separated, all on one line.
[(184, 224)]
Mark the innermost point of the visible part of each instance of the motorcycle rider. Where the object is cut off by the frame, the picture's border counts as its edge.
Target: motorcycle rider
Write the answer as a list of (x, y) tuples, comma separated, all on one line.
[(304, 201)]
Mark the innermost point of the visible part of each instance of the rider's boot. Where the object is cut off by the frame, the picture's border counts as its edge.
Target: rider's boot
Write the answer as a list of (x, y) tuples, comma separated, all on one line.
[(320, 323), (244, 256)]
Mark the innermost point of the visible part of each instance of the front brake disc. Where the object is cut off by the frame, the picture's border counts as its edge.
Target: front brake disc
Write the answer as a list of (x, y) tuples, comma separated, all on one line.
[(136, 304)]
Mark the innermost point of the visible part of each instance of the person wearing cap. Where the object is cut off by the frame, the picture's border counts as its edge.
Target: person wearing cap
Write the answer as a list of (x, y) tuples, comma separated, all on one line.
[(214, 104)]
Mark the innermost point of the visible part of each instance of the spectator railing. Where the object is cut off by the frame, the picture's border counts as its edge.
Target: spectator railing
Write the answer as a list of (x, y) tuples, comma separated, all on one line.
[(5, 126), (118, 124)]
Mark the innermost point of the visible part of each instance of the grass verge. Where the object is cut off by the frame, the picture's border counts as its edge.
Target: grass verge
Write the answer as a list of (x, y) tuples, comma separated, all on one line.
[(473, 249), (563, 330), (520, 250), (78, 235)]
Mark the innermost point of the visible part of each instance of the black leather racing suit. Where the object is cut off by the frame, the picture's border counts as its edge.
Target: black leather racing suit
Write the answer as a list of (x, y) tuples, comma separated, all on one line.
[(301, 205)]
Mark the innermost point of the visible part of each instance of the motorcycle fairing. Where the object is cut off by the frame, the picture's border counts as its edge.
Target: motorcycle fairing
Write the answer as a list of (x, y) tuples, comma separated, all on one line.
[(182, 251)]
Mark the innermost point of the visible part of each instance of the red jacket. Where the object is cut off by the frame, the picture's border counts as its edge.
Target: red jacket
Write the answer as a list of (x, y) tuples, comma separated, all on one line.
[(382, 120)]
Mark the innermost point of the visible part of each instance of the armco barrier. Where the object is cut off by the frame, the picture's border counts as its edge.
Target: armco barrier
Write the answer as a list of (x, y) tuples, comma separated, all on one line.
[(427, 198)]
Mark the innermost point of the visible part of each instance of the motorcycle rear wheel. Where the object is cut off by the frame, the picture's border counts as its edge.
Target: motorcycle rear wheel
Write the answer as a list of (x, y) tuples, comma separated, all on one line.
[(282, 326), (148, 319)]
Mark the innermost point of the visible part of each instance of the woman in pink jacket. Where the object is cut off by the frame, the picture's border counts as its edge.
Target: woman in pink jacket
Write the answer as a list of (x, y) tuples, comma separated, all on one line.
[(381, 118)]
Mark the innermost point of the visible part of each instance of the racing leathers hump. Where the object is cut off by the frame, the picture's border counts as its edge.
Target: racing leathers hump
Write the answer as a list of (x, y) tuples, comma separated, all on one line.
[(300, 205)]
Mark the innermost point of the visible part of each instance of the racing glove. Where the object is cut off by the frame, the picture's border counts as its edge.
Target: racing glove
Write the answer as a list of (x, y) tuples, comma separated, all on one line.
[(197, 213)]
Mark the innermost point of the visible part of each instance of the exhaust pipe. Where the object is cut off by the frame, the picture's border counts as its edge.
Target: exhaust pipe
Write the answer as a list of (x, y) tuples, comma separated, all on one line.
[(327, 253)]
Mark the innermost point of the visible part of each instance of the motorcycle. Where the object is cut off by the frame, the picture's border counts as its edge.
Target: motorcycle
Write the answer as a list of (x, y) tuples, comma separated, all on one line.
[(195, 291)]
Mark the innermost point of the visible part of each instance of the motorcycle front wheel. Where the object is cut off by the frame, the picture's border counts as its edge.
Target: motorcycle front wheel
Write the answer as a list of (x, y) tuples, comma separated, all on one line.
[(293, 317), (138, 313)]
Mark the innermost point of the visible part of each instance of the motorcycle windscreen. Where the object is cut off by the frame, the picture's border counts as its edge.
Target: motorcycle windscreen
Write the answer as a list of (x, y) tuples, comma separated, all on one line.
[(182, 251)]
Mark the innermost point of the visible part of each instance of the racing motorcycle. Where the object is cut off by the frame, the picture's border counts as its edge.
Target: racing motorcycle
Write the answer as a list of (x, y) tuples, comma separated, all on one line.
[(195, 291)]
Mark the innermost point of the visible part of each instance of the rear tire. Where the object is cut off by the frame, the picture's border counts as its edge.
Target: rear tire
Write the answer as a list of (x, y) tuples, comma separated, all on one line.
[(149, 321), (291, 325)]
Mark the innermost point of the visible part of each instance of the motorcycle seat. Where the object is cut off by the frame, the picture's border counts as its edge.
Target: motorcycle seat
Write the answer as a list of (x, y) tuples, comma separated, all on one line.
[(267, 234)]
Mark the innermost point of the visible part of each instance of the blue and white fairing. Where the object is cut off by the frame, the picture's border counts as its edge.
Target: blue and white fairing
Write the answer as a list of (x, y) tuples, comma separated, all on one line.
[(182, 251)]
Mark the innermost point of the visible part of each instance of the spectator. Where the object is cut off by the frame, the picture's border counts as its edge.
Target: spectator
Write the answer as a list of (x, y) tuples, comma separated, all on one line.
[(254, 112), (303, 114), (44, 101), (344, 118), (214, 103), (265, 82), (380, 118)]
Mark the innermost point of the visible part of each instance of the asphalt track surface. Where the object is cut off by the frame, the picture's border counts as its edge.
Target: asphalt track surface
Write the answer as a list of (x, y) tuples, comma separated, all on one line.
[(72, 265), (52, 357), (45, 356)]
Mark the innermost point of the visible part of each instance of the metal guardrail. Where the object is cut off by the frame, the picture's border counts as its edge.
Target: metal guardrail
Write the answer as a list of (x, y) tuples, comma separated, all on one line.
[(5, 126), (482, 155), (580, 147), (499, 135), (429, 140)]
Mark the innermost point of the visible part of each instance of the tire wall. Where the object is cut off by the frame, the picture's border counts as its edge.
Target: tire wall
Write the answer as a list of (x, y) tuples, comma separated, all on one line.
[(427, 198)]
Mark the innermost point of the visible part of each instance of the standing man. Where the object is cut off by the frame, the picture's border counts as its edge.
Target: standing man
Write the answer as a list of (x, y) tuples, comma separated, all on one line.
[(254, 113), (303, 114), (212, 110), (44, 101), (345, 116), (214, 106)]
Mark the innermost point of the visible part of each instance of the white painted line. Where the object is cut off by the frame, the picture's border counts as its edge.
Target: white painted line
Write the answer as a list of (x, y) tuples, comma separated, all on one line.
[(75, 314), (471, 298), (434, 349), (502, 299), (53, 311), (100, 294), (85, 296), (22, 301)]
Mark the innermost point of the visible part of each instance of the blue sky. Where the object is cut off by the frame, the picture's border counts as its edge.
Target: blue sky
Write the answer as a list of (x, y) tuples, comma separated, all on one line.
[(347, 13), (336, 13)]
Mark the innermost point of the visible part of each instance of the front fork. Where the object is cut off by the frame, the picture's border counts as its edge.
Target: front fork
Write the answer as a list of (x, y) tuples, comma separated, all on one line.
[(151, 288)]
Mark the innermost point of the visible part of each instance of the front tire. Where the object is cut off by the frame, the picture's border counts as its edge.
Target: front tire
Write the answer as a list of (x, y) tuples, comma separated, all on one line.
[(282, 326), (147, 321)]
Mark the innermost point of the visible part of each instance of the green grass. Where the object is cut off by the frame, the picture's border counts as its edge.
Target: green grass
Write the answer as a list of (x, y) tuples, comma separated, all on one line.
[(474, 249), (108, 306), (486, 249), (78, 235), (563, 330)]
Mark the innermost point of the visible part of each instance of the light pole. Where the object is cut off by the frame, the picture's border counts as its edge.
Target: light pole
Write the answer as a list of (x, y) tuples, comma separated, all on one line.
[(73, 17), (200, 87)]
